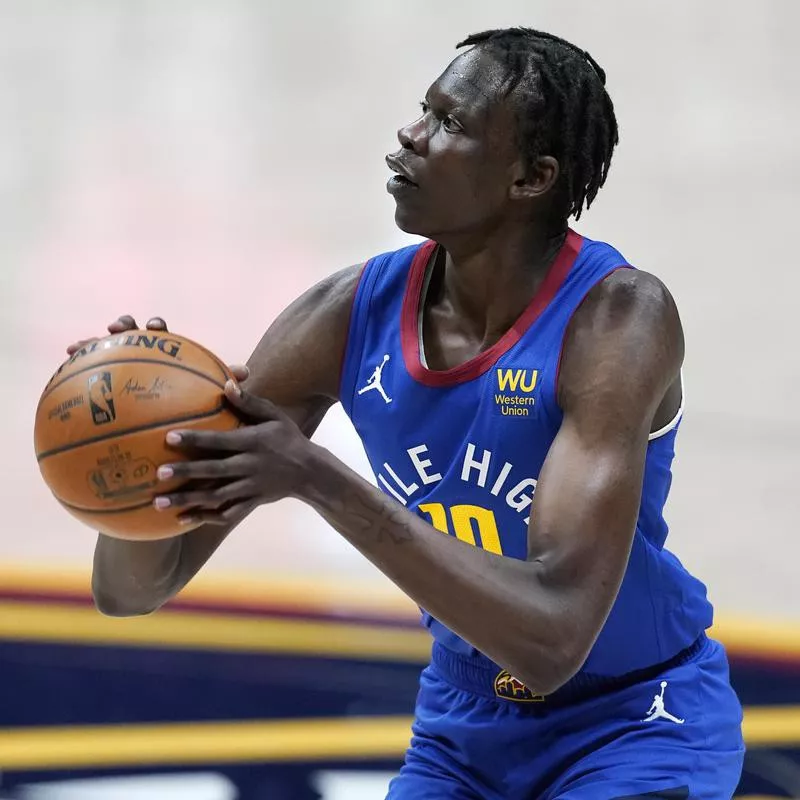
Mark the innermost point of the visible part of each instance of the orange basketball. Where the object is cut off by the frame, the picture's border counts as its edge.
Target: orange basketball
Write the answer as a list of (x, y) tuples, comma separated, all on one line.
[(101, 422)]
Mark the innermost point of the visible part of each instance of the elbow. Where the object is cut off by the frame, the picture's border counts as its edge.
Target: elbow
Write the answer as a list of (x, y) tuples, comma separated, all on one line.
[(548, 676), (557, 638), (554, 675), (544, 669), (111, 605)]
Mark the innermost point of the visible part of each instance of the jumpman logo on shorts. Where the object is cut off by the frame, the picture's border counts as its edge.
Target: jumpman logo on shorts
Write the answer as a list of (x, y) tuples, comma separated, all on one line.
[(657, 710), (374, 381)]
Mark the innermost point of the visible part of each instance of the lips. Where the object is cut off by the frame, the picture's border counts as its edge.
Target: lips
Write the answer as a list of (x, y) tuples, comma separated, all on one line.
[(398, 167)]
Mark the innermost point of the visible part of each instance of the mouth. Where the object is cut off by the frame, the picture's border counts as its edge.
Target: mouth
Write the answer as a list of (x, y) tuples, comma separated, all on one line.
[(402, 175)]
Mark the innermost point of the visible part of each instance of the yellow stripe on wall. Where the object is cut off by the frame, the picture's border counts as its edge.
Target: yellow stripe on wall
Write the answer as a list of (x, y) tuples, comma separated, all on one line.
[(772, 726), (750, 636), (83, 625), (265, 741), (371, 597), (743, 636), (199, 743)]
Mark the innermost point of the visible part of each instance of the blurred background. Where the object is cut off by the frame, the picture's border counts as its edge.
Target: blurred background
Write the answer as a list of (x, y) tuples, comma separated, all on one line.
[(207, 162)]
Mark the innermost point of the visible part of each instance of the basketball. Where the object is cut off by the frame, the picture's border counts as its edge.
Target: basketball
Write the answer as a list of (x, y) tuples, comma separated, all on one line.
[(101, 424)]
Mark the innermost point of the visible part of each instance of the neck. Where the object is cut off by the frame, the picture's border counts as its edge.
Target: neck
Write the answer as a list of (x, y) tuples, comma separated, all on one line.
[(488, 283)]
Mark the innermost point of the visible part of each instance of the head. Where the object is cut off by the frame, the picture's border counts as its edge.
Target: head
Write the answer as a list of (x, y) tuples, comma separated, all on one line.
[(518, 129)]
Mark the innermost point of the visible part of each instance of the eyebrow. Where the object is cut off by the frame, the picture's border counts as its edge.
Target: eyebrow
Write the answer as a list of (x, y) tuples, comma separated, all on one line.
[(467, 110)]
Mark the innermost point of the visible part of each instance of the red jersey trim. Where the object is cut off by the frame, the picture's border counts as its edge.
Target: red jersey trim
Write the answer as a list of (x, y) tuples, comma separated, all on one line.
[(474, 367)]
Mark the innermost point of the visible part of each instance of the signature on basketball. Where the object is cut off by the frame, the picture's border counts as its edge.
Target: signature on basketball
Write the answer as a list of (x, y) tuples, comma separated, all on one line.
[(145, 391)]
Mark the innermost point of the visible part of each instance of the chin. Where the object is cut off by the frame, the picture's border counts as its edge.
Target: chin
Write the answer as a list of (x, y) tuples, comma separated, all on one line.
[(412, 223)]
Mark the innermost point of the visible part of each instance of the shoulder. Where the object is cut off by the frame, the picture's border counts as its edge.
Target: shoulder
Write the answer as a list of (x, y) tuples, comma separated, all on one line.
[(324, 306), (628, 295), (335, 290), (620, 290), (314, 325), (626, 337)]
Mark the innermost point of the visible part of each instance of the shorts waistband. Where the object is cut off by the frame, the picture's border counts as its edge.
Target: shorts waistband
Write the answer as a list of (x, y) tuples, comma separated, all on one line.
[(479, 678)]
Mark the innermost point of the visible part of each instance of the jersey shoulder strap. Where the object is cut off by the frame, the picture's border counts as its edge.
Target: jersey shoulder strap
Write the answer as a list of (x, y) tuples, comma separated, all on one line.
[(377, 301)]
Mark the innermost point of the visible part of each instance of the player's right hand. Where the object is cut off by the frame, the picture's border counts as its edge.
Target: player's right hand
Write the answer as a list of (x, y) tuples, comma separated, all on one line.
[(124, 323), (127, 323)]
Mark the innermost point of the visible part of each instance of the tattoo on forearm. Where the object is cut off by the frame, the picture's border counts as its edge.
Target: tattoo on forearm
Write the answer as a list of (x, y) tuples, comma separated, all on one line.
[(385, 518)]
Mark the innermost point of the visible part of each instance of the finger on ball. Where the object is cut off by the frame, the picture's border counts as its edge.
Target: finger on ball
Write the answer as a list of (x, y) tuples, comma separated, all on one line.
[(240, 371)]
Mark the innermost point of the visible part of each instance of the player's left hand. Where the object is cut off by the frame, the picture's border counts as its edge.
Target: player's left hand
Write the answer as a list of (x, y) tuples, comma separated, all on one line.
[(240, 469)]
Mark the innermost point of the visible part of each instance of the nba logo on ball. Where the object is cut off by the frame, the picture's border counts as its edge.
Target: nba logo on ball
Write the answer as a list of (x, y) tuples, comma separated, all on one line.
[(101, 399)]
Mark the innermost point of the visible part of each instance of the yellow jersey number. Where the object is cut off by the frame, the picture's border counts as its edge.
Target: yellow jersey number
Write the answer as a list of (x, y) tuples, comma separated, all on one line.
[(471, 524)]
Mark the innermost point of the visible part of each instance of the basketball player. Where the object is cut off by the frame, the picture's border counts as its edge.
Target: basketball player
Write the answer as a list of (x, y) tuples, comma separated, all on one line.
[(517, 389)]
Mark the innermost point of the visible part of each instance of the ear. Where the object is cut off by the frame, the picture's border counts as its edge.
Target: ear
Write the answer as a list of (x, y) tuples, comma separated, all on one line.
[(535, 181)]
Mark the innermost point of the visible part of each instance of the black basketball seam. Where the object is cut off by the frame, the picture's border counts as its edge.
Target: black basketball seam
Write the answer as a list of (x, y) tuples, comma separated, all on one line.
[(84, 510), (129, 361), (219, 362), (116, 434)]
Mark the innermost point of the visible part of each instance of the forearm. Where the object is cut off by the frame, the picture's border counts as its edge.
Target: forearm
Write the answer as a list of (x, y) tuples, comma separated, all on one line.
[(497, 604)]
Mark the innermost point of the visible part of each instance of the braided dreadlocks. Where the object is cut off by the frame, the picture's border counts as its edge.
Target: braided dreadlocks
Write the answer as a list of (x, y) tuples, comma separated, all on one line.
[(562, 106)]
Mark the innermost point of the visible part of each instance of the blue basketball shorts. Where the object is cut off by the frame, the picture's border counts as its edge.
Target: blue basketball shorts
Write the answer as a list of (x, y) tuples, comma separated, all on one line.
[(673, 732)]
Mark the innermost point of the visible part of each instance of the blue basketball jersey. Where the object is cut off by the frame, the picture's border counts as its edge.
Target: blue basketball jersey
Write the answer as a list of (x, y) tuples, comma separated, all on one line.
[(463, 447)]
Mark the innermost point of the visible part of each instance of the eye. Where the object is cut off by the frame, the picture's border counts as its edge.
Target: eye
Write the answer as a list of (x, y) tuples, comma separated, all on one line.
[(449, 123)]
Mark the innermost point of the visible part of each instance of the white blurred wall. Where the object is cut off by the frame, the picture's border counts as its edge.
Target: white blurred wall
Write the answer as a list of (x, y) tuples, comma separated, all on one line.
[(207, 161)]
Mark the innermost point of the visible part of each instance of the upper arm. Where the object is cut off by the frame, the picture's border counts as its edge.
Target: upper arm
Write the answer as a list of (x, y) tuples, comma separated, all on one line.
[(296, 365), (622, 351), (298, 361)]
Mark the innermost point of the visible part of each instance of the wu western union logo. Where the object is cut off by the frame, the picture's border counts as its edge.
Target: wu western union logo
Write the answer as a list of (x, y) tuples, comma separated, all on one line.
[(515, 391), (525, 379)]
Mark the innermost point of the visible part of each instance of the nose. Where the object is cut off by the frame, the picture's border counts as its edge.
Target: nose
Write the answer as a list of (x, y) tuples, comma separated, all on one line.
[(414, 136)]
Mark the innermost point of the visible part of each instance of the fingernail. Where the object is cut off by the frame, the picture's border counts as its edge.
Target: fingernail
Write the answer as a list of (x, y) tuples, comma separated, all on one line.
[(165, 473), (162, 502), (174, 438), (232, 386), (186, 520)]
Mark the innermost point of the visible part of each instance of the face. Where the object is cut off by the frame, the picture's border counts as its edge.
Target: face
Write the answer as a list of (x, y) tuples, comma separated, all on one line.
[(459, 162)]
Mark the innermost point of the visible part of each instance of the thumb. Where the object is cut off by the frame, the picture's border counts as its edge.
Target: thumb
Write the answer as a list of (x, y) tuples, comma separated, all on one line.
[(250, 405)]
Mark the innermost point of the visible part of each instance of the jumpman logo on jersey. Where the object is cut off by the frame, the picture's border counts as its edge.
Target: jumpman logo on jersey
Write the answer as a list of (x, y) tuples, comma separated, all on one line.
[(374, 381), (657, 710)]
